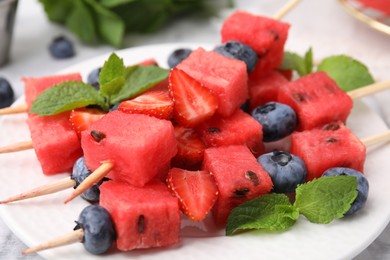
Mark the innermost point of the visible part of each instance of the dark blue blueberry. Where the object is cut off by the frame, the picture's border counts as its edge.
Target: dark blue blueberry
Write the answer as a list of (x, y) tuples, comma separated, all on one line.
[(286, 170), (362, 187), (99, 232), (278, 120), (93, 78), (239, 51), (114, 107), (79, 173), (6, 93), (178, 56), (61, 48)]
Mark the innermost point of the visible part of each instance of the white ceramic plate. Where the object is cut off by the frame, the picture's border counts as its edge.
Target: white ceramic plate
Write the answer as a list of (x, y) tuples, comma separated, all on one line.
[(37, 220)]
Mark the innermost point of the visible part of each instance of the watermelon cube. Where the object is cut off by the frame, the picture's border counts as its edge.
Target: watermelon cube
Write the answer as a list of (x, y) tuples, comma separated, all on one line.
[(238, 175), (55, 143), (316, 99), (137, 144), (266, 89), (265, 35), (225, 77), (143, 217), (333, 145), (35, 86), (238, 129)]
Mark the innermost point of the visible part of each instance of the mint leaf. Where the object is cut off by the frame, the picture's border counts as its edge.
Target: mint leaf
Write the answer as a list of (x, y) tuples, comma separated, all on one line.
[(270, 212), (327, 198), (302, 65), (348, 73), (112, 76), (57, 11), (112, 3), (110, 26), (139, 79), (66, 96), (81, 22)]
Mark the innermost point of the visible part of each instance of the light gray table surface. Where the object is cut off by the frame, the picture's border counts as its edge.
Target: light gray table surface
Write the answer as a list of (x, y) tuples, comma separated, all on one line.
[(320, 24)]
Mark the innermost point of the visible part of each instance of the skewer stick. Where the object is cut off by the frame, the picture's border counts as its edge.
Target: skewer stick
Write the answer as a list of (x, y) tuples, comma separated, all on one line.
[(368, 90), (286, 9), (376, 139), (69, 238), (22, 108), (91, 180), (21, 146), (43, 190)]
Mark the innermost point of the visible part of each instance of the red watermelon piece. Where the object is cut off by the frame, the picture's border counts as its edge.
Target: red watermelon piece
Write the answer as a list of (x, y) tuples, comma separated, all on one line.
[(333, 145), (265, 35), (316, 99), (55, 143), (143, 217), (225, 77), (379, 5), (137, 144), (266, 89), (239, 128), (35, 86), (238, 175)]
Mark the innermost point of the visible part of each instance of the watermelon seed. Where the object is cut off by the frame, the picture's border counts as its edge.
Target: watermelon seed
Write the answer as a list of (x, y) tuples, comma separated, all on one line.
[(97, 136), (299, 97), (252, 177), (281, 158), (275, 34), (332, 127), (141, 224), (240, 193), (331, 140), (214, 130)]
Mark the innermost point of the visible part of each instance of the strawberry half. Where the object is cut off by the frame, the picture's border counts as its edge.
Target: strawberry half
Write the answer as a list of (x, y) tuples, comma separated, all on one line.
[(193, 103), (157, 103), (190, 148), (81, 118), (196, 190)]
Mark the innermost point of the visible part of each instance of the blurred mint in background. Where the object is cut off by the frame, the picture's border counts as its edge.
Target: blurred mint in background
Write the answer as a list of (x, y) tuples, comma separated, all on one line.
[(96, 21)]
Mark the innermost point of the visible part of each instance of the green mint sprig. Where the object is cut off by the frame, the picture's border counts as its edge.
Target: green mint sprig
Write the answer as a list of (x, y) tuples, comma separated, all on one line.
[(348, 72), (320, 201), (117, 83)]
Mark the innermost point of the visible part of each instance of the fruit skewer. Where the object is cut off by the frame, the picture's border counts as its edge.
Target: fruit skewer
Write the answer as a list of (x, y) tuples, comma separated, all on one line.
[(79, 173), (354, 94)]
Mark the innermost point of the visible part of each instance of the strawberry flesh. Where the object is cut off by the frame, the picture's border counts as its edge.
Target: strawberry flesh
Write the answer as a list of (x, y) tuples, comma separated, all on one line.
[(193, 103), (157, 103), (81, 118), (196, 190)]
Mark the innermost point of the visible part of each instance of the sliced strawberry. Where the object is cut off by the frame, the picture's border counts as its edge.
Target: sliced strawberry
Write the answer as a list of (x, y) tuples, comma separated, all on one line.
[(190, 148), (157, 103), (196, 190), (81, 118), (193, 103)]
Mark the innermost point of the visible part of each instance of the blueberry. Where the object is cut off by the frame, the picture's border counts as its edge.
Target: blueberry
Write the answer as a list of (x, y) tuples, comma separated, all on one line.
[(61, 48), (178, 56), (79, 173), (93, 78), (99, 232), (239, 51), (362, 187), (6, 93), (114, 107), (278, 120), (286, 170)]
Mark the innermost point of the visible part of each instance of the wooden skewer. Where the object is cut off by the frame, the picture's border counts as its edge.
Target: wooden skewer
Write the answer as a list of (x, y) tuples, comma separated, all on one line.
[(69, 238), (368, 90), (43, 190), (21, 146), (22, 108), (376, 139), (91, 180), (286, 9)]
